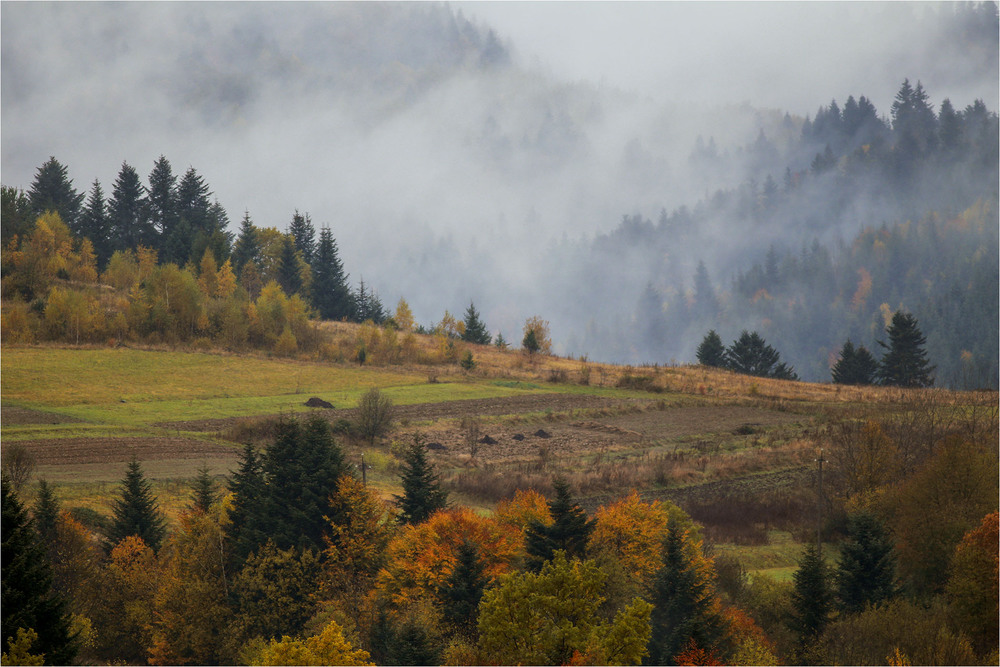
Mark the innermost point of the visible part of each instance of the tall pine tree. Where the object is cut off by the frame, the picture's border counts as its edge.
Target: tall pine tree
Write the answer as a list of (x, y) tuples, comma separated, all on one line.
[(247, 246), (52, 190), (866, 573), (331, 295), (711, 351), (289, 275), (422, 492), (136, 511), (570, 529), (95, 224), (905, 361), (855, 366), (811, 601), (304, 234), (28, 600), (244, 532), (475, 329), (162, 200), (129, 222)]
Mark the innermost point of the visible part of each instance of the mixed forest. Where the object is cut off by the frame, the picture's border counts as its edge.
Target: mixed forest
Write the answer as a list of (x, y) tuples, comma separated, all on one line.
[(854, 268)]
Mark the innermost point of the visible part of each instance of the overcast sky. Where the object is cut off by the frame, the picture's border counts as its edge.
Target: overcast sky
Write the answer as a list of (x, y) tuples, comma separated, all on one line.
[(786, 55)]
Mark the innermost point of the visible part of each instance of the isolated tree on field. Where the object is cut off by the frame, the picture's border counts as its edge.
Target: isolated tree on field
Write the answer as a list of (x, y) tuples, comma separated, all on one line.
[(28, 600), (403, 317), (475, 329), (136, 511), (373, 415), (904, 363), (422, 492), (536, 336), (52, 190), (811, 601), (569, 531), (751, 355), (855, 366), (711, 351), (866, 574), (18, 465)]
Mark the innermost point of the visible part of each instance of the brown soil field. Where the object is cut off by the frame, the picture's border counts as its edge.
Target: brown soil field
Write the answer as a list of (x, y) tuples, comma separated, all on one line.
[(15, 416), (73, 451)]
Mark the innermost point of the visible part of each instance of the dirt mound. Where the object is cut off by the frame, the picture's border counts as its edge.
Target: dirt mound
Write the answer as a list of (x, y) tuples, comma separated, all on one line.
[(315, 402), (518, 436), (436, 446), (542, 433), (487, 440)]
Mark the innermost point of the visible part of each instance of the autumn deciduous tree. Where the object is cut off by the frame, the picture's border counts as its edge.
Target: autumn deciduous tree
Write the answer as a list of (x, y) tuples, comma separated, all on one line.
[(191, 609), (373, 415), (275, 592), (329, 647), (973, 583), (551, 618), (361, 526), (123, 620), (527, 506), (420, 557), (536, 336)]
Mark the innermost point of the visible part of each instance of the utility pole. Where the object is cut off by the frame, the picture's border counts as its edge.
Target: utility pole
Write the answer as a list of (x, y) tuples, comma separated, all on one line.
[(364, 477), (819, 507)]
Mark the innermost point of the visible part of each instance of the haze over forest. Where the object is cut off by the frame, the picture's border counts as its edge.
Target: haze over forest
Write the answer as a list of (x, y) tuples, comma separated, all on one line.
[(577, 161)]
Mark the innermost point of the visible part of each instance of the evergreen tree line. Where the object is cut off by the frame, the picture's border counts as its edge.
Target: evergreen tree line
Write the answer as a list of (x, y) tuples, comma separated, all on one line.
[(748, 355)]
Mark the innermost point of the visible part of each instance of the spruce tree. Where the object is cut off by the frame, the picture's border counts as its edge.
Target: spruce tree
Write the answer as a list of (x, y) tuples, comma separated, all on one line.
[(855, 366), (28, 600), (136, 511), (95, 224), (811, 601), (569, 532), (867, 568), (46, 512), (475, 329), (289, 277), (304, 235), (204, 494), (129, 224), (711, 351), (331, 295), (247, 246), (751, 355), (463, 589), (193, 216), (162, 200), (52, 190), (682, 605), (301, 468), (904, 363), (244, 532), (422, 492), (15, 213)]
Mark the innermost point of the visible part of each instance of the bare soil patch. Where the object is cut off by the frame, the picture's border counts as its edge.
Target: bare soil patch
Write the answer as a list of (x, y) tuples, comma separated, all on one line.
[(652, 426), (83, 451), (479, 407), (12, 415)]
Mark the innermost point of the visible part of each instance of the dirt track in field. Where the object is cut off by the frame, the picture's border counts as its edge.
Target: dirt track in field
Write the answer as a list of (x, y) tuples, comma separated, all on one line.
[(16, 416)]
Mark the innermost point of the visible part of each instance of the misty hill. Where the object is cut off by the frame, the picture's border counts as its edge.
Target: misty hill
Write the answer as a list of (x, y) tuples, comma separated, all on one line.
[(450, 171)]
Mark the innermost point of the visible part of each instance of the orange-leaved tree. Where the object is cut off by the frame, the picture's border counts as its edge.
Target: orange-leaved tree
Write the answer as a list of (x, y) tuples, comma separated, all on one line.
[(420, 557)]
